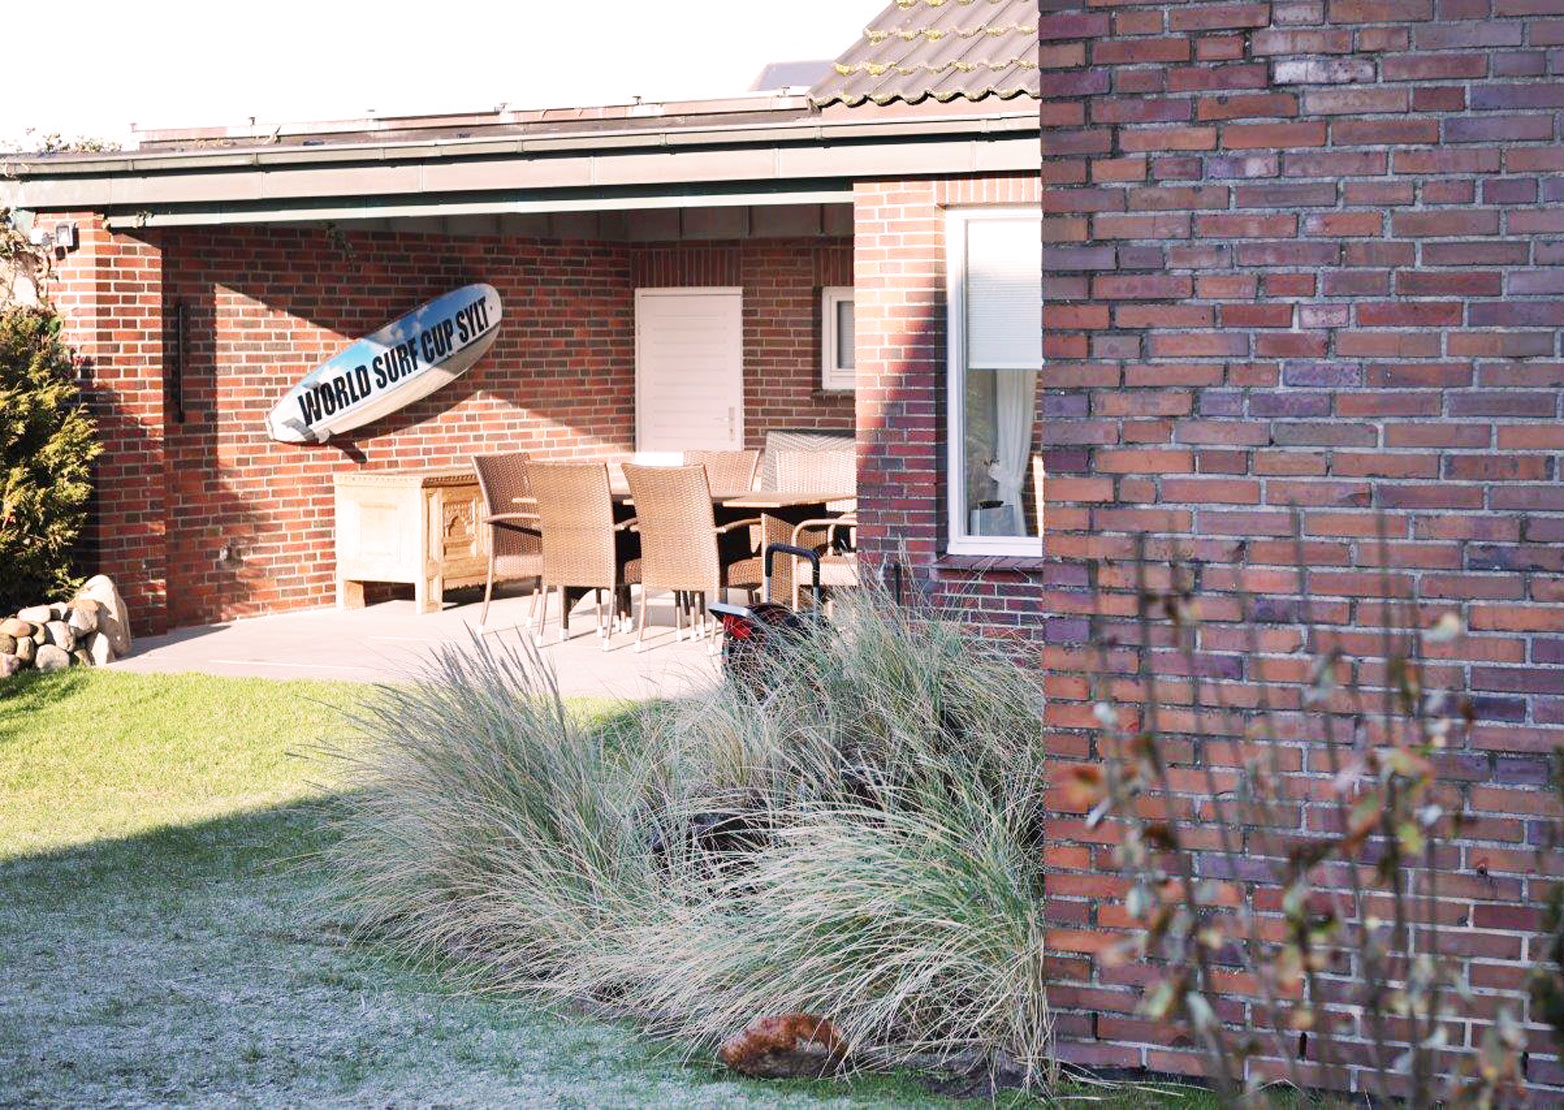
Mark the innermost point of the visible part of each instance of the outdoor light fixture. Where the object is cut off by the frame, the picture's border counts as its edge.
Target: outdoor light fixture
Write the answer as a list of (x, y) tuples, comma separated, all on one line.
[(62, 238)]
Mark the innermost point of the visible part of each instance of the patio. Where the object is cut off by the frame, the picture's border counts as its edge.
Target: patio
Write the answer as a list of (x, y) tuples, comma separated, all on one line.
[(392, 641)]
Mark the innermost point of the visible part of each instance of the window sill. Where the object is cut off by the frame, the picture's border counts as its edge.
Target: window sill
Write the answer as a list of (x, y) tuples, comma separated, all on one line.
[(826, 393), (991, 562)]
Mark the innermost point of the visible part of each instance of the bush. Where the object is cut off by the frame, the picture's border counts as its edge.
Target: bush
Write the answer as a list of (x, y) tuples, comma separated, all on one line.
[(1343, 960), (46, 450), (863, 842)]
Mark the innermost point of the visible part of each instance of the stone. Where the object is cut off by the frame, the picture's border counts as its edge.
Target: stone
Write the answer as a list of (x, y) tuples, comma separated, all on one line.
[(113, 618), (58, 609), (82, 616), (99, 650), (35, 614), (40, 635), (9, 665), (786, 1046), (60, 635), (25, 650), (20, 629), (7, 644), (80, 656), (52, 658)]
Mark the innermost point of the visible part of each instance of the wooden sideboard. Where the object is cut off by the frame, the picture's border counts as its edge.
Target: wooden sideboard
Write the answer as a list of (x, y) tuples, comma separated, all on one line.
[(418, 525)]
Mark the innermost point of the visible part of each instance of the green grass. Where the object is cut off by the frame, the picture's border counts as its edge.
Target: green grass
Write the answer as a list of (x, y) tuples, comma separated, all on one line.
[(161, 940), (90, 755)]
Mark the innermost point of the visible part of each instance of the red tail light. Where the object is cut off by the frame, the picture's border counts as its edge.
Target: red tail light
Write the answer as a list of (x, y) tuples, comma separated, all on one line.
[(737, 627)]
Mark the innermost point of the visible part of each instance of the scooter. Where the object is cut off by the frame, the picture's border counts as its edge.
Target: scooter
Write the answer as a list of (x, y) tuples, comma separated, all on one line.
[(751, 633)]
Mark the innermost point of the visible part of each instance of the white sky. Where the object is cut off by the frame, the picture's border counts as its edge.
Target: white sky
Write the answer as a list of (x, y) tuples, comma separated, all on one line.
[(171, 63)]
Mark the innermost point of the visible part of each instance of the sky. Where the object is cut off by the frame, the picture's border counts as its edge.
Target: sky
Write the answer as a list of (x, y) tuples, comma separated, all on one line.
[(175, 63)]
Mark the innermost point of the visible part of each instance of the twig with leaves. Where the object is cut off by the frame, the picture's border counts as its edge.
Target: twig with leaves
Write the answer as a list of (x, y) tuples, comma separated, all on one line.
[(1357, 938)]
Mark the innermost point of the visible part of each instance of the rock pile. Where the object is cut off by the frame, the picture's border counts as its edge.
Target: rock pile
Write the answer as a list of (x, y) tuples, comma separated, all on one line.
[(91, 628)]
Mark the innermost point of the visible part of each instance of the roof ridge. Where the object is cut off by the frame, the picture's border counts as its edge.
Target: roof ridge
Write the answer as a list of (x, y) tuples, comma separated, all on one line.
[(934, 34), (875, 69), (942, 96)]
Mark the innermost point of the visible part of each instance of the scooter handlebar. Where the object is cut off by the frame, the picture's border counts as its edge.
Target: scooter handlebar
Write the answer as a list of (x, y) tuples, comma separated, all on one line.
[(799, 553)]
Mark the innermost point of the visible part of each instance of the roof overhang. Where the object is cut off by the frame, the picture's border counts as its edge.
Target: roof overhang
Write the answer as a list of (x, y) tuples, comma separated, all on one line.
[(788, 161), (495, 204)]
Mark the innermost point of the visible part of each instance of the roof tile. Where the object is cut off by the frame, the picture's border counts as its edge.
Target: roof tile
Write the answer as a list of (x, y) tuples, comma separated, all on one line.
[(944, 49)]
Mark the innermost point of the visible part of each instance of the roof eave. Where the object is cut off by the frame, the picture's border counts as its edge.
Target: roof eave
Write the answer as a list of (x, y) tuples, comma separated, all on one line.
[(800, 154)]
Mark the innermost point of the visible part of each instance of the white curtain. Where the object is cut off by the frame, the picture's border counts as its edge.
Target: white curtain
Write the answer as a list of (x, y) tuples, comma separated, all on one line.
[(1015, 397)]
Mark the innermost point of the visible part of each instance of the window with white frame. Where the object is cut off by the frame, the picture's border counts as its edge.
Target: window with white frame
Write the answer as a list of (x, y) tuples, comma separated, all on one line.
[(995, 278), (836, 337)]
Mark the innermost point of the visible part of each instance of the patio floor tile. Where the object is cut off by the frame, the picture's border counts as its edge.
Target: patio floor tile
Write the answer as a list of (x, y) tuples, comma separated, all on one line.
[(391, 642)]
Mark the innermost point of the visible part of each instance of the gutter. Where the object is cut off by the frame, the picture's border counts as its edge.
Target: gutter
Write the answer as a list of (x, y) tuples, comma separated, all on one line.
[(740, 135), (399, 208)]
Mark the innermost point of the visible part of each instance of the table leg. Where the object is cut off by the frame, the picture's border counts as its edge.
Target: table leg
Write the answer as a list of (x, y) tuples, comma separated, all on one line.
[(350, 594)]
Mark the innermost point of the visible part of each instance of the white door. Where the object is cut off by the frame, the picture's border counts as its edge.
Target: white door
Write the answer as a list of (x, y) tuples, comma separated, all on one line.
[(689, 369)]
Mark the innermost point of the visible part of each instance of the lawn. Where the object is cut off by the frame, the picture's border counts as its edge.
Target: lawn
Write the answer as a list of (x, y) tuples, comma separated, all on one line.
[(162, 942)]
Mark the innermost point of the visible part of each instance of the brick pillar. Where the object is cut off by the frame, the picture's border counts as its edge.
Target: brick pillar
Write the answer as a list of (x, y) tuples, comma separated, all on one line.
[(899, 298), (110, 293)]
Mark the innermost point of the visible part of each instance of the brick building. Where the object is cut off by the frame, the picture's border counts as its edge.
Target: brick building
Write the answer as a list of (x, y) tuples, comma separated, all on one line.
[(1307, 253), (1295, 253), (215, 268)]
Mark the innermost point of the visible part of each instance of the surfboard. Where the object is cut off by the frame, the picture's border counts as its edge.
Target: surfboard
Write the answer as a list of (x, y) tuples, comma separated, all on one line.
[(409, 358)]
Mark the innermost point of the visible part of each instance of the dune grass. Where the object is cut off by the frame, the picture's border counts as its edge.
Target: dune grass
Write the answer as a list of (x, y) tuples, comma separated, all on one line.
[(858, 836)]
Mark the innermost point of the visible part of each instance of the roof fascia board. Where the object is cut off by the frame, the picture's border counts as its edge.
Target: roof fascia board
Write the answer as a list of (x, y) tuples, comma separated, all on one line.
[(792, 130), (663, 167), (489, 207)]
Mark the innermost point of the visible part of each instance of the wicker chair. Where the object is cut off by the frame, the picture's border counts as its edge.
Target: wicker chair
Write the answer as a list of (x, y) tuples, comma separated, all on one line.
[(727, 470), (818, 471), (825, 472), (515, 547), (682, 548), (583, 549)]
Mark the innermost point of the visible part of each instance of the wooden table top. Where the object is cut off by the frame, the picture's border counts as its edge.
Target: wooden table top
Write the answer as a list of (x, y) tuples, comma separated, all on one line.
[(763, 499), (757, 499)]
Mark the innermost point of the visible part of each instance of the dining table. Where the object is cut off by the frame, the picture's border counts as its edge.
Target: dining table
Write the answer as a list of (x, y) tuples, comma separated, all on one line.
[(780, 511)]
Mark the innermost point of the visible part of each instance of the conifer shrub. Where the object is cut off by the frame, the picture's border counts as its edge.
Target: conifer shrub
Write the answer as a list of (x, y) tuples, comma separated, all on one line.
[(47, 444)]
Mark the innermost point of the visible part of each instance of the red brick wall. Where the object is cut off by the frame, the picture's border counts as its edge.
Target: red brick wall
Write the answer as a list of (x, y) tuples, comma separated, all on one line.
[(263, 306), (109, 291), (899, 292), (1309, 253)]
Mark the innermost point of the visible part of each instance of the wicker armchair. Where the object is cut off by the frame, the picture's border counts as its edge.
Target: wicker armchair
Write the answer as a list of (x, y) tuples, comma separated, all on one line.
[(583, 549), (818, 471), (682, 548), (832, 537), (515, 548), (727, 471), (835, 548)]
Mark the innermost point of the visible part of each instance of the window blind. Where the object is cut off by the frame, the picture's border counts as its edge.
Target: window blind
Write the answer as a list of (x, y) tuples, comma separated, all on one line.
[(1004, 294)]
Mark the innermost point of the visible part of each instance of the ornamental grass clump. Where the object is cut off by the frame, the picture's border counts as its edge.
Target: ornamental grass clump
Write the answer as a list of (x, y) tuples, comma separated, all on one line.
[(488, 831), (857, 836)]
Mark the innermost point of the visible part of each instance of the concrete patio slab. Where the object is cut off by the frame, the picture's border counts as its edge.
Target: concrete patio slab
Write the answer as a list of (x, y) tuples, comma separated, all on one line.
[(390, 642)]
